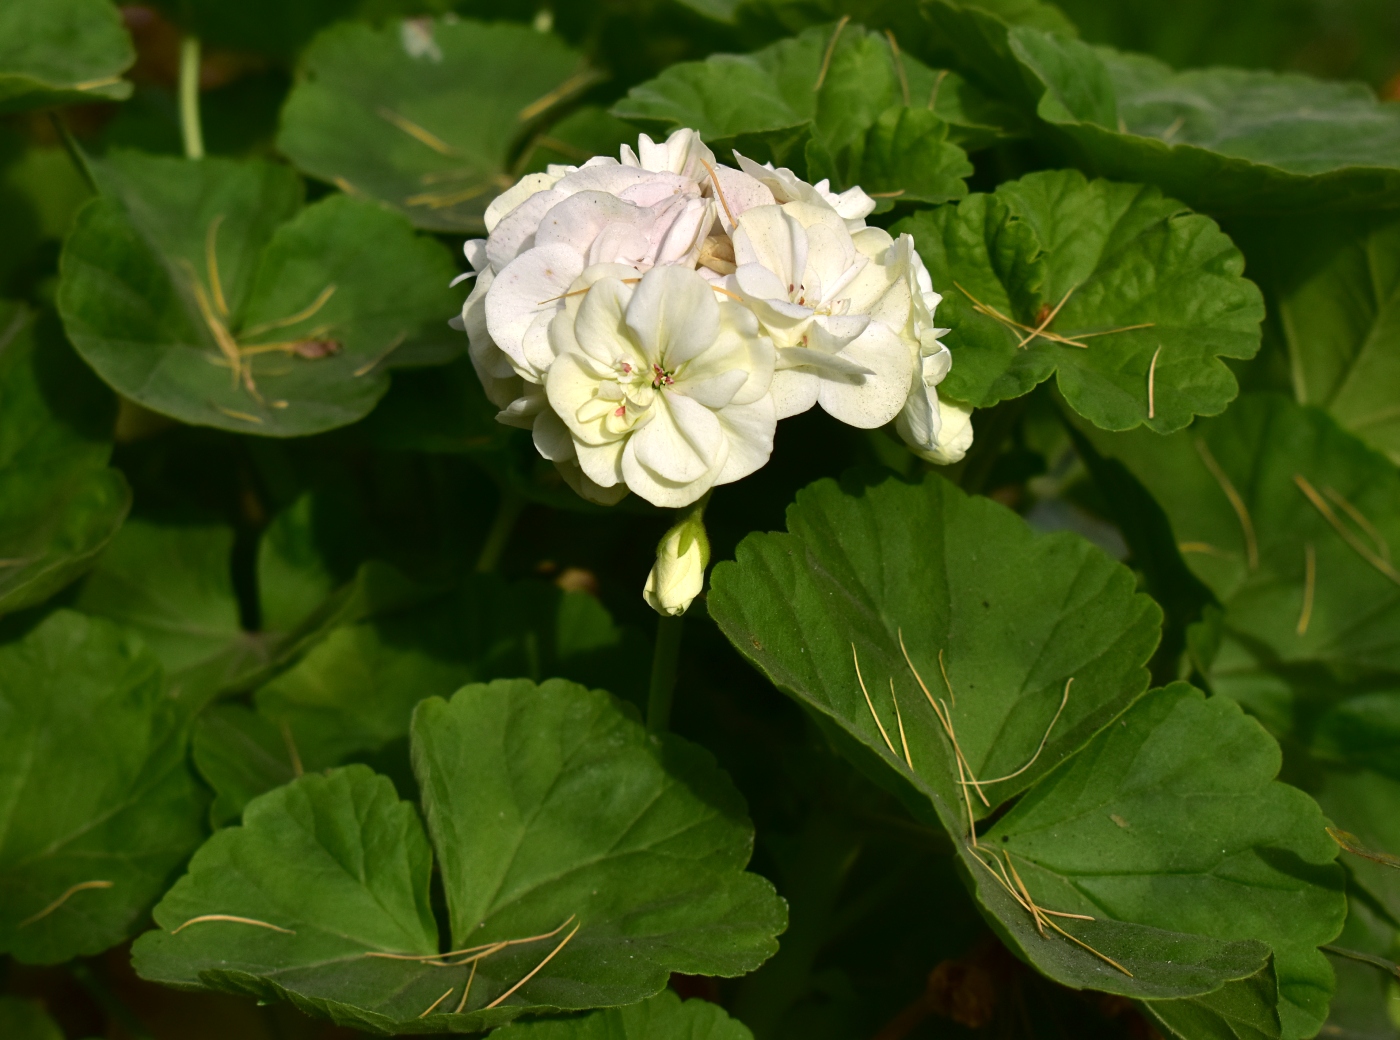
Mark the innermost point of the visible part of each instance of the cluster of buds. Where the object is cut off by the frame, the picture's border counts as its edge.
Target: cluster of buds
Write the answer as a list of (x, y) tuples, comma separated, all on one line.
[(651, 318)]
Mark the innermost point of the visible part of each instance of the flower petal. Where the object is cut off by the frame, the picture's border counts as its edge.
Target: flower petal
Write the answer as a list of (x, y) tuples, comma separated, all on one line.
[(681, 441), (674, 315), (749, 429), (532, 284), (881, 395)]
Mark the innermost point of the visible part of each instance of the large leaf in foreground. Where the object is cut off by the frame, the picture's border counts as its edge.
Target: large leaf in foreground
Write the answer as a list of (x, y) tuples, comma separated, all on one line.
[(663, 1017), (552, 815), (59, 501), (422, 114), (203, 291), (1150, 296), (1225, 140), (61, 52), (97, 805), (776, 96), (1013, 618)]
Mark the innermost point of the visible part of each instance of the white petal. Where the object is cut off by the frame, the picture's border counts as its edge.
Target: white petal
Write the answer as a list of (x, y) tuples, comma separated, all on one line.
[(680, 442), (601, 463), (511, 198), (551, 436), (794, 391), (600, 328), (749, 429), (674, 315), (715, 392), (827, 366), (769, 236), (665, 493), (878, 399), (532, 284), (570, 387), (740, 193), (585, 487), (516, 231)]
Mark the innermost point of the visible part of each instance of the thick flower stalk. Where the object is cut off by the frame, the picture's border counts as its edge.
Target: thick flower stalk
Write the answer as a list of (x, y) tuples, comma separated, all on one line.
[(650, 319)]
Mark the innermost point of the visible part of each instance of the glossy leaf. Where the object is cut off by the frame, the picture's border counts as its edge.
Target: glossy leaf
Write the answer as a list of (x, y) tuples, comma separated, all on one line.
[(1015, 618), (59, 501), (1123, 274), (1224, 140), (241, 754), (61, 52), (422, 115), (1242, 1010), (180, 265), (771, 97), (547, 806), (662, 1016), (97, 806)]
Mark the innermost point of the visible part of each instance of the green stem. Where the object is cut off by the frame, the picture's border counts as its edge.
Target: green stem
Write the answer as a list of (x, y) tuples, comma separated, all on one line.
[(664, 660), (190, 130), (74, 150), (110, 1002), (507, 512)]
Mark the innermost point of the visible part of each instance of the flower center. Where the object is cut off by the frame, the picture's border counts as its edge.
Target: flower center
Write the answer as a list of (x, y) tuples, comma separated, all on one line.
[(660, 377)]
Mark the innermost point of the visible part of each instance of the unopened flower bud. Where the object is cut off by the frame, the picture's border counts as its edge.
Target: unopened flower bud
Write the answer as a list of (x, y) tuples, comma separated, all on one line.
[(679, 572)]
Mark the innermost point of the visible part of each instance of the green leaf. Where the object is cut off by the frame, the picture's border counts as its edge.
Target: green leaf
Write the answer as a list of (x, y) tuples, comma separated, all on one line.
[(423, 115), (24, 1020), (547, 806), (1115, 256), (59, 501), (1224, 140), (1363, 730), (1172, 819), (1231, 488), (1014, 618), (141, 299), (97, 806), (768, 99), (1242, 1010), (662, 1017), (1338, 304), (240, 754), (173, 584), (62, 52), (1363, 803), (905, 156)]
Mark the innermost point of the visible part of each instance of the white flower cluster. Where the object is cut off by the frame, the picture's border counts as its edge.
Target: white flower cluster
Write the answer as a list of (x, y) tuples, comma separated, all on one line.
[(651, 319)]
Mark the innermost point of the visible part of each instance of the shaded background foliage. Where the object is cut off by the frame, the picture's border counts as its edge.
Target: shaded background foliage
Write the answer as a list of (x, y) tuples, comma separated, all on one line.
[(260, 573)]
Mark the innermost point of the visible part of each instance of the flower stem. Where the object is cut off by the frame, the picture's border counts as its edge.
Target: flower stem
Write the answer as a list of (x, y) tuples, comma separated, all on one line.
[(74, 150), (663, 672), (507, 512), (190, 130)]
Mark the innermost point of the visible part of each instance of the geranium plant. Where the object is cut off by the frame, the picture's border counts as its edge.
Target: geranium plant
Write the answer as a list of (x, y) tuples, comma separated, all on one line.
[(699, 519)]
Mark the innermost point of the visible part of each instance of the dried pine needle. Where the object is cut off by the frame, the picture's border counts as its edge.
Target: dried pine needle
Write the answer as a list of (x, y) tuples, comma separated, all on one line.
[(1359, 518), (548, 957), (1043, 740), (233, 919), (898, 66), (444, 199), (871, 704), (1040, 328), (244, 416), (937, 85), (491, 947), (574, 83), (1152, 384), (1361, 548), (899, 718), (306, 313), (418, 133), (719, 191), (830, 51), (81, 886), (1309, 587), (466, 993), (211, 265), (433, 1006), (1251, 544)]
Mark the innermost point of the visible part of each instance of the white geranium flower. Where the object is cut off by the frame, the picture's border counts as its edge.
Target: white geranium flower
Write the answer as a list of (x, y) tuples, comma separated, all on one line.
[(834, 306), (853, 205), (663, 387)]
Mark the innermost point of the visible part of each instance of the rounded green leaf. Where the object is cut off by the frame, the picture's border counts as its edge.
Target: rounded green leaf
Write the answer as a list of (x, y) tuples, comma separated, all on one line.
[(1139, 299), (1224, 140), (97, 805), (554, 817), (1043, 642), (203, 291), (24, 1020), (422, 115), (777, 94), (62, 52), (662, 1017), (59, 501), (1171, 818)]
